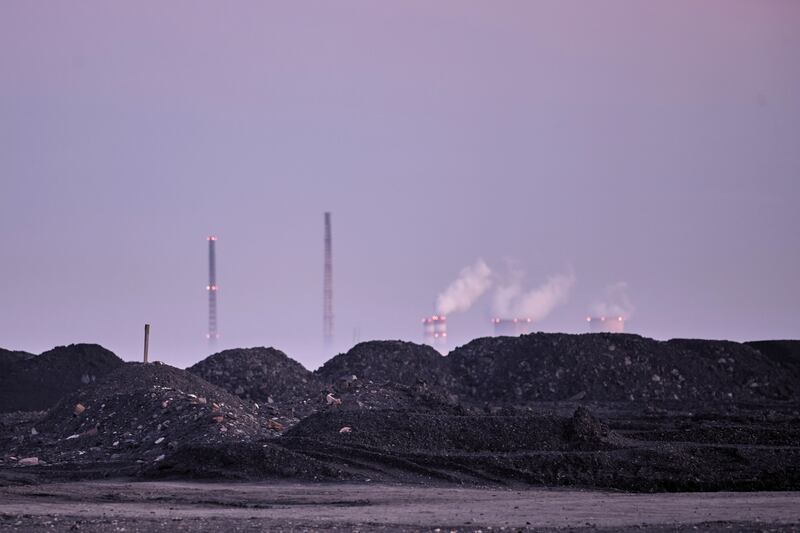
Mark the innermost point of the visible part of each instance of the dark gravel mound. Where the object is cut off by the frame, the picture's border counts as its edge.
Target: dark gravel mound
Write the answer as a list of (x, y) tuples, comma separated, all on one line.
[(614, 367), (140, 414), (676, 415), (542, 450), (37, 383), (8, 359), (783, 352), (400, 362), (382, 396), (440, 433), (242, 462), (12, 356), (263, 375)]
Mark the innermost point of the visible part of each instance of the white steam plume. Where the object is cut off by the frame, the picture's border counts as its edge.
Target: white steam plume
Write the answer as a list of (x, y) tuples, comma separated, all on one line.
[(511, 302), (615, 302), (459, 296)]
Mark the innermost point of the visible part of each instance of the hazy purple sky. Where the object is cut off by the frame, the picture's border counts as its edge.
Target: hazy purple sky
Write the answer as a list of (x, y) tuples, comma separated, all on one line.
[(655, 143)]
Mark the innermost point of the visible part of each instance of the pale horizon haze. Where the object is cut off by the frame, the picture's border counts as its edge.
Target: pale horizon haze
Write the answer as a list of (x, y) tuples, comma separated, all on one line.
[(649, 146)]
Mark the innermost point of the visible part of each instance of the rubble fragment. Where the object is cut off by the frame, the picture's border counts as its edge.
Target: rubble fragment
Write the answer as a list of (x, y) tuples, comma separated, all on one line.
[(332, 400)]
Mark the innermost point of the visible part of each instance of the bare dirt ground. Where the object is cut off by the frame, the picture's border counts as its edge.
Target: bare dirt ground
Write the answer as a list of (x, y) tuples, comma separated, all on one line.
[(232, 507)]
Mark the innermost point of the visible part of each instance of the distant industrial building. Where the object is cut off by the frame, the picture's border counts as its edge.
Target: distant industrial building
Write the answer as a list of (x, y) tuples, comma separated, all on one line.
[(605, 324), (434, 332), (512, 327)]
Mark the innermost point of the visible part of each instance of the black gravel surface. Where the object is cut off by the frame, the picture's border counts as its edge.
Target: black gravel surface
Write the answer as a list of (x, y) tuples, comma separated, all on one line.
[(601, 410)]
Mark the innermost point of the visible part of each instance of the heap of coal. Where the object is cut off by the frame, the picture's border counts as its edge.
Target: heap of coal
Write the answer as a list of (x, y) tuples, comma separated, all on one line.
[(446, 433), (547, 450), (613, 367), (263, 375), (244, 461), (785, 353), (8, 357), (371, 396), (37, 383), (398, 445), (139, 414), (400, 362), (676, 415)]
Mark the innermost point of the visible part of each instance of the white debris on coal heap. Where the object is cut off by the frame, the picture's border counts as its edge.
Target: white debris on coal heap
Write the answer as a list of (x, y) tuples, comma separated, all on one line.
[(140, 413)]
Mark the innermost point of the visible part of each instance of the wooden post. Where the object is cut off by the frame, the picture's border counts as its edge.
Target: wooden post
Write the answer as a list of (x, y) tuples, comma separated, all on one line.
[(146, 340)]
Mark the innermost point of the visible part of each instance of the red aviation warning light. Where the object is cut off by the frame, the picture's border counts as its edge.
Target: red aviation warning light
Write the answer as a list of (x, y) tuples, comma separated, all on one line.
[(603, 324), (512, 327), (434, 332)]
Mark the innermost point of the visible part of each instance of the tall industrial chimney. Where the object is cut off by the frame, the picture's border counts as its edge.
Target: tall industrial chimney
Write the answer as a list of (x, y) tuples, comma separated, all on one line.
[(212, 292), (327, 303)]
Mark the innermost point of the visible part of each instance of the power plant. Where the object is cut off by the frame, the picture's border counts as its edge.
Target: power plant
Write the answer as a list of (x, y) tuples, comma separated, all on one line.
[(212, 334), (434, 332), (327, 289), (603, 324), (512, 327), (468, 287)]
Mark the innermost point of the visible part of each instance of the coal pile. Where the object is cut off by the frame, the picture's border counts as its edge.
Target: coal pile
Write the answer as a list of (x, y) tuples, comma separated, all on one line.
[(785, 353), (37, 383), (360, 395), (8, 357), (265, 376), (441, 433), (400, 362), (139, 414), (676, 415), (242, 461), (580, 450), (614, 367)]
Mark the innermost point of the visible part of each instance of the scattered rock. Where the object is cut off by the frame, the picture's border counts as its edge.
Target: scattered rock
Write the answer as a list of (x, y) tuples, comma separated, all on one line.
[(275, 425), (332, 400)]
